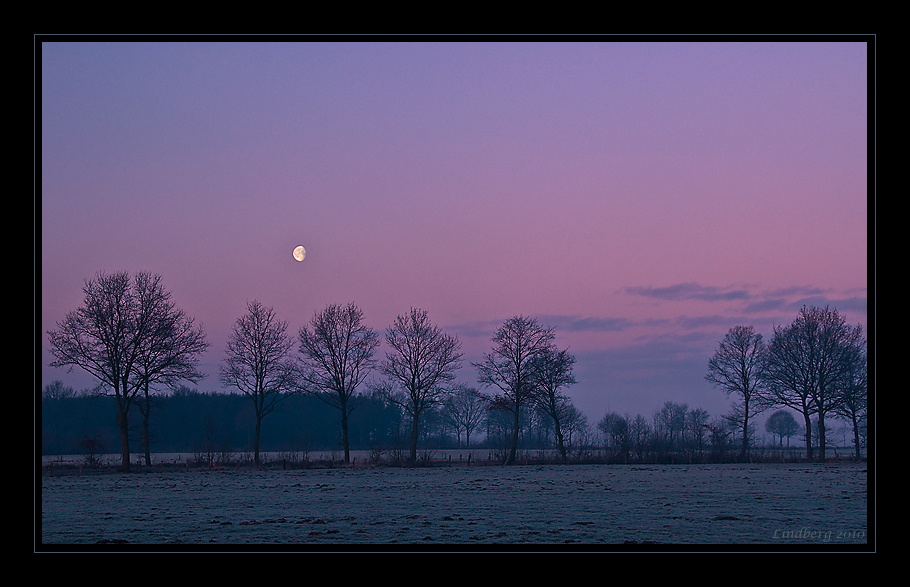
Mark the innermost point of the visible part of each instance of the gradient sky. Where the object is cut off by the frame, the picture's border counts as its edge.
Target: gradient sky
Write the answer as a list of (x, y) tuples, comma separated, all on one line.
[(643, 198)]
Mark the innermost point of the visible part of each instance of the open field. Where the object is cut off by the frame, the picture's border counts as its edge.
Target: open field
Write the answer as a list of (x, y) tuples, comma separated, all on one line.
[(788, 505)]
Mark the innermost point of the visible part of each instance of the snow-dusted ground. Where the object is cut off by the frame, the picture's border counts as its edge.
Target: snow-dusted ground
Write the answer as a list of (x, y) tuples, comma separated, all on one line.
[(767, 504)]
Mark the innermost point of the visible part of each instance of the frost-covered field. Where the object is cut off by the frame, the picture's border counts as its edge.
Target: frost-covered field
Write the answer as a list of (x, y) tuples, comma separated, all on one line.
[(767, 504)]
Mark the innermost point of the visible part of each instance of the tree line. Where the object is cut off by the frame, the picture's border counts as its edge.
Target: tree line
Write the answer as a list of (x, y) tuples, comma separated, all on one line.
[(816, 366), (214, 428), (213, 425), (131, 337)]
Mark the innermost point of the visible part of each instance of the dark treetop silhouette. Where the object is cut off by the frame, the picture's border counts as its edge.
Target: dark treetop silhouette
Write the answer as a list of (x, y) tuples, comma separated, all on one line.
[(258, 362), (738, 367), (810, 366), (552, 372), (126, 334), (515, 344), (336, 351), (423, 362)]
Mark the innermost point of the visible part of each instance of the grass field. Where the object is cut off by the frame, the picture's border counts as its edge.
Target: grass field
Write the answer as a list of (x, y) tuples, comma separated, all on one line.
[(816, 506)]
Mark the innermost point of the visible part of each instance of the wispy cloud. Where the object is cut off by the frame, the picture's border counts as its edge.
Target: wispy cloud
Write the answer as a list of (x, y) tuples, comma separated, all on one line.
[(571, 323), (690, 322), (587, 324), (689, 291), (852, 305), (788, 299), (769, 305), (739, 305), (473, 329), (796, 290)]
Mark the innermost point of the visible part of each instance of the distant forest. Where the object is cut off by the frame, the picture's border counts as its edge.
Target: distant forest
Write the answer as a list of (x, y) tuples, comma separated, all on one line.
[(190, 421), (212, 425)]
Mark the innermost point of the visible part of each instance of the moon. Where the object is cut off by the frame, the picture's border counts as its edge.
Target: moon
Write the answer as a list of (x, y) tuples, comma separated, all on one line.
[(299, 253)]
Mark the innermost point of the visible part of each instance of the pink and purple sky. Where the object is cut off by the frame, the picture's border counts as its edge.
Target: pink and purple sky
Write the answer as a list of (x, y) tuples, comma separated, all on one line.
[(643, 197)]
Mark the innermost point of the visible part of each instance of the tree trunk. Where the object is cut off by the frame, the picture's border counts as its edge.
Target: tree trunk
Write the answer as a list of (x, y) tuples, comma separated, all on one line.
[(821, 437), (808, 436), (256, 440), (145, 429), (145, 438), (745, 427), (855, 435), (123, 424), (414, 439), (344, 433), (514, 450), (559, 442)]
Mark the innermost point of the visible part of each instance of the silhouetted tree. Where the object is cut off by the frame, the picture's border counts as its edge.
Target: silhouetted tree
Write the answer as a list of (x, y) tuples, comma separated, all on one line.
[(171, 351), (551, 373), (639, 435), (507, 368), (737, 367), (670, 426), (337, 355), (423, 361), (110, 335), (258, 362), (782, 423), (695, 427), (854, 407), (499, 424), (93, 447), (465, 408), (56, 390), (809, 364), (617, 434), (735, 418), (577, 431), (718, 434)]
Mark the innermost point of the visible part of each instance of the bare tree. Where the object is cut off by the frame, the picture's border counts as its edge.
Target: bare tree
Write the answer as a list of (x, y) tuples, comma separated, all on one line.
[(616, 430), (670, 426), (737, 422), (809, 364), (854, 407), (507, 368), (718, 432), (782, 423), (102, 337), (110, 335), (56, 391), (171, 351), (551, 374), (337, 354), (575, 427), (639, 435), (737, 367), (258, 362), (695, 426), (423, 361), (465, 408)]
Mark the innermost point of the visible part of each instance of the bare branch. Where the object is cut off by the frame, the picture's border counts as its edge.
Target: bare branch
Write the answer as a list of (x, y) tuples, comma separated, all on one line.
[(336, 350), (258, 361), (423, 362)]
